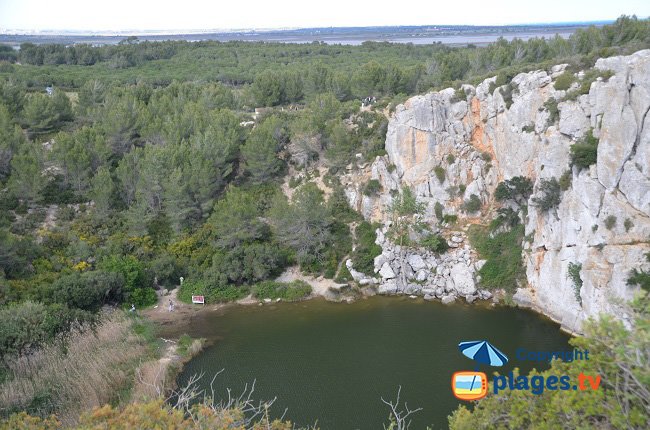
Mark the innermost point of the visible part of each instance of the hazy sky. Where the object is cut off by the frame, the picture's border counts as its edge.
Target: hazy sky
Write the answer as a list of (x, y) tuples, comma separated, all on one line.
[(105, 15)]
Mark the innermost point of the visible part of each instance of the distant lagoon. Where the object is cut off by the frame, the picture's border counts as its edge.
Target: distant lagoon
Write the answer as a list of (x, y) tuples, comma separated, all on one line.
[(450, 35)]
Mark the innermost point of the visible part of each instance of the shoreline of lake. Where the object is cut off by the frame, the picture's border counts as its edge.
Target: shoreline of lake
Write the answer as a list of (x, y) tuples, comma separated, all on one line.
[(324, 341)]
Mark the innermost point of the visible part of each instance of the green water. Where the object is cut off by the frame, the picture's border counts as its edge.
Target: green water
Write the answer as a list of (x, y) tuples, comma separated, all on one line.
[(331, 363)]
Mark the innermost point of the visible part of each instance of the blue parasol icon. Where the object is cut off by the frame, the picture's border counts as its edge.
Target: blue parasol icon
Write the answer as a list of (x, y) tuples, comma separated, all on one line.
[(483, 352)]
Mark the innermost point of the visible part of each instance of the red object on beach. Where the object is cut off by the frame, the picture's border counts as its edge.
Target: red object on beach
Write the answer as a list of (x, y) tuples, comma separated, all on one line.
[(198, 299)]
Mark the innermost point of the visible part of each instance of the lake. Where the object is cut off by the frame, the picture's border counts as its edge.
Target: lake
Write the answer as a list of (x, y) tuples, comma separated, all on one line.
[(331, 363)]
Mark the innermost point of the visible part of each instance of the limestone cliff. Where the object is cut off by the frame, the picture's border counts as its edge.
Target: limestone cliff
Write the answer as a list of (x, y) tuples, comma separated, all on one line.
[(482, 139)]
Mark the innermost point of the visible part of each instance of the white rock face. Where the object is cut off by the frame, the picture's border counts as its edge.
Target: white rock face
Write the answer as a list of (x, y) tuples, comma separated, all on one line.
[(491, 140), (463, 279), (416, 262), (386, 271)]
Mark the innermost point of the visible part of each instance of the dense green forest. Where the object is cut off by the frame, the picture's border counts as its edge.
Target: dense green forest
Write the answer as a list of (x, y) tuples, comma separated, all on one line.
[(146, 162)]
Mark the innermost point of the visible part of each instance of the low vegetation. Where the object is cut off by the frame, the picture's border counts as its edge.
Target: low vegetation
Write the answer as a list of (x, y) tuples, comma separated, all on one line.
[(565, 180), (618, 355), (372, 187), (585, 152), (549, 195), (288, 291), (435, 243), (574, 274), (550, 106), (610, 222), (640, 278), (564, 81), (502, 252), (517, 189), (87, 367), (473, 204), (440, 173), (366, 250)]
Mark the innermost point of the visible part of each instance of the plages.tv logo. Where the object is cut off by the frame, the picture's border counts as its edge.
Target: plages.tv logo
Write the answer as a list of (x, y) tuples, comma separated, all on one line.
[(473, 385)]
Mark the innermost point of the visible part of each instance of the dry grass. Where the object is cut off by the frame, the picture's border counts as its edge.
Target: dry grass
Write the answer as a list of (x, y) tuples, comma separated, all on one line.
[(89, 372), (154, 379)]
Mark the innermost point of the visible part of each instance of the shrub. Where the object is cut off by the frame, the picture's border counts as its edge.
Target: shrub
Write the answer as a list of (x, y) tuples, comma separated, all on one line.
[(290, 292), (363, 257), (486, 156), (551, 195), (517, 189), (142, 297), (129, 267), (502, 252), (640, 278), (450, 219), (507, 93), (438, 208), (461, 189), (343, 276), (452, 190), (564, 81), (628, 224), (550, 106), (473, 204), (434, 243), (528, 128), (451, 158), (459, 95), (440, 173), (87, 291), (610, 222), (506, 217), (565, 180), (372, 187), (213, 293), (585, 152), (29, 324), (294, 181), (574, 275)]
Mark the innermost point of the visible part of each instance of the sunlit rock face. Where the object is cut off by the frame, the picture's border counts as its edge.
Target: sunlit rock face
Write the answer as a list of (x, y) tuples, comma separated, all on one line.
[(483, 139)]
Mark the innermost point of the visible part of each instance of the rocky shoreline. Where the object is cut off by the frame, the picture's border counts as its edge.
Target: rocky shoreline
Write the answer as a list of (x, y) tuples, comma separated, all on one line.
[(446, 277)]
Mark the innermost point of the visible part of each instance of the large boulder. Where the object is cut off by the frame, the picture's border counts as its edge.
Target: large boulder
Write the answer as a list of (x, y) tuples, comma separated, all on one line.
[(386, 272), (463, 279)]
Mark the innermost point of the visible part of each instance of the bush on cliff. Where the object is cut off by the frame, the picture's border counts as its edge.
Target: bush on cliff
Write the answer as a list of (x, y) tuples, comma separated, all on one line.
[(363, 257), (585, 152), (551, 195), (502, 252)]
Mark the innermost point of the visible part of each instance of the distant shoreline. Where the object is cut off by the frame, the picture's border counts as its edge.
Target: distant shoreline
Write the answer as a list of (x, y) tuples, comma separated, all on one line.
[(448, 35)]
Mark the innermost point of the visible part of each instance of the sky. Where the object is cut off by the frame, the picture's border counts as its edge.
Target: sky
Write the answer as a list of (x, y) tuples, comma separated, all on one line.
[(138, 15)]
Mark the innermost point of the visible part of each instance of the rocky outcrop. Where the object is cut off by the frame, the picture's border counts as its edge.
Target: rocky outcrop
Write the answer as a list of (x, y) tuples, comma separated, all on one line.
[(447, 149)]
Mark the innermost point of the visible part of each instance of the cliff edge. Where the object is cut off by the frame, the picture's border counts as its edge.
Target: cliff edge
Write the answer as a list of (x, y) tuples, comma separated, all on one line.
[(449, 145)]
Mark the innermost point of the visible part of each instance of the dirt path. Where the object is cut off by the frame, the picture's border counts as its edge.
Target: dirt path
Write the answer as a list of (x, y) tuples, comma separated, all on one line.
[(160, 313), (320, 286)]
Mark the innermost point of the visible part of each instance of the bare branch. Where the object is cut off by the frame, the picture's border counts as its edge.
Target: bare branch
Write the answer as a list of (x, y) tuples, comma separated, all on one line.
[(398, 417)]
